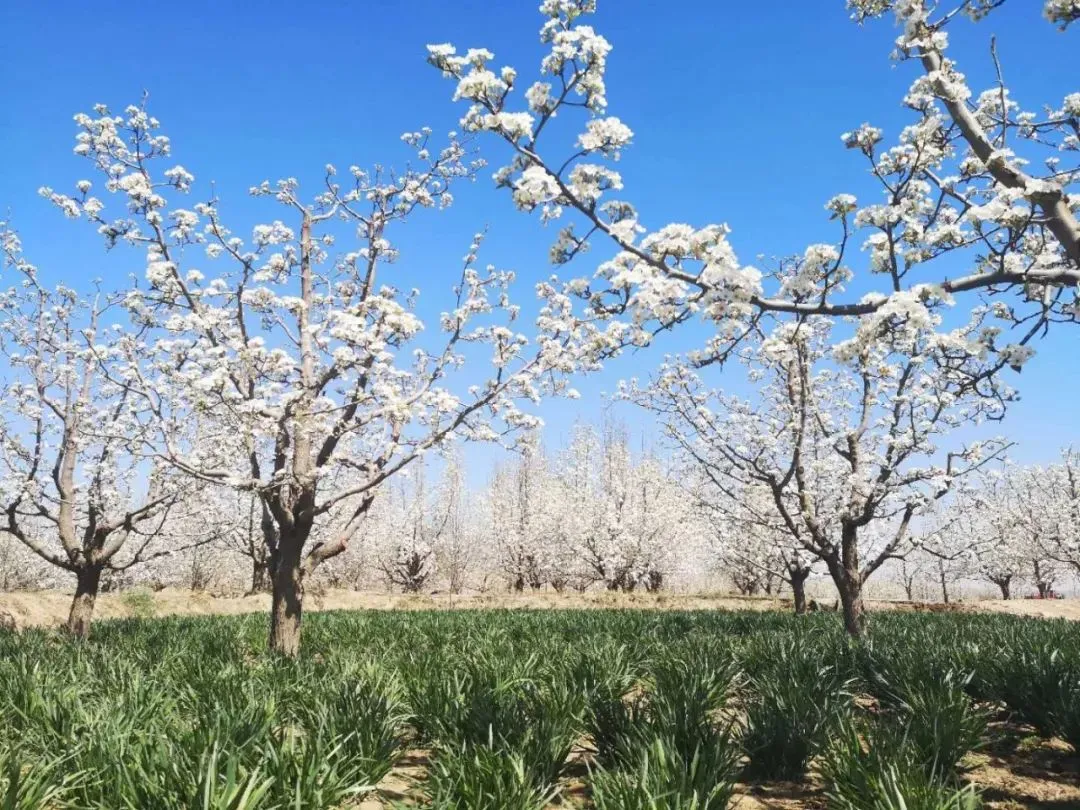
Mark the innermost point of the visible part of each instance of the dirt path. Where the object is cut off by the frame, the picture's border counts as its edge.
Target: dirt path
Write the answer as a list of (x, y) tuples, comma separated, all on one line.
[(49, 608)]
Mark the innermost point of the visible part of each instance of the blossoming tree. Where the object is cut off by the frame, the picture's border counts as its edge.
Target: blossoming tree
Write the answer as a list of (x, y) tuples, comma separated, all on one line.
[(633, 521), (1060, 494), (1029, 516), (957, 190), (420, 530), (309, 362), (240, 530), (74, 489), (592, 514), (954, 192), (526, 520), (844, 438), (754, 547), (461, 556)]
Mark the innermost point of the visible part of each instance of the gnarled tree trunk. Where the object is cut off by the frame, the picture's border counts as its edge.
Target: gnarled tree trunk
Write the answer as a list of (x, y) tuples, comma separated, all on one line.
[(82, 606), (264, 558)]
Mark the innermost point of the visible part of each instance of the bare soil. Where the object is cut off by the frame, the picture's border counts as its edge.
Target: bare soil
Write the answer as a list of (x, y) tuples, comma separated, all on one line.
[(1018, 771)]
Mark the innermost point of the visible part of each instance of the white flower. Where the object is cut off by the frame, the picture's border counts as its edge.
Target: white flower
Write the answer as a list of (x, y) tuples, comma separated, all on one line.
[(607, 135), (1014, 355)]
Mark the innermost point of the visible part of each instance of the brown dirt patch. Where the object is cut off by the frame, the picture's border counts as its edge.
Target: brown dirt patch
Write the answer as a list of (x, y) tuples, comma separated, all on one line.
[(1017, 771)]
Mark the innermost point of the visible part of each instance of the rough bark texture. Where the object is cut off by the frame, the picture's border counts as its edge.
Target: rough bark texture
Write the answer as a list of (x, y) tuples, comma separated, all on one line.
[(292, 507), (851, 602), (848, 577), (82, 606), (287, 600)]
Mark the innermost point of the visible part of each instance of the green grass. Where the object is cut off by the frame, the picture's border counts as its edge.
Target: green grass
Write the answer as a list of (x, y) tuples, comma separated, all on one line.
[(636, 709), (793, 704)]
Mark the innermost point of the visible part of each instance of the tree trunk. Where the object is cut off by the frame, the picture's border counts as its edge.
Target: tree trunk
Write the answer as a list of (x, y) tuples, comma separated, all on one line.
[(944, 584), (851, 601), (260, 576), (844, 569), (1004, 583), (82, 606), (1040, 582), (798, 591), (287, 599)]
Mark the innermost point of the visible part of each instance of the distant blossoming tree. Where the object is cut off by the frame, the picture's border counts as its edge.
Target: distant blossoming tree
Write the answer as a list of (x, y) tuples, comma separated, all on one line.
[(462, 558), (754, 547), (418, 528), (1060, 485), (629, 520), (592, 514), (1026, 523), (528, 516), (844, 438)]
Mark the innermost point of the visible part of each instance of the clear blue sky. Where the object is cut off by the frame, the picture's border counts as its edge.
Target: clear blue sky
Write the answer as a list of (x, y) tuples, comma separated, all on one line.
[(737, 109)]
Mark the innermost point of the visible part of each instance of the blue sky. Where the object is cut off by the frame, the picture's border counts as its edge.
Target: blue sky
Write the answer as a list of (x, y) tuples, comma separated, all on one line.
[(737, 110)]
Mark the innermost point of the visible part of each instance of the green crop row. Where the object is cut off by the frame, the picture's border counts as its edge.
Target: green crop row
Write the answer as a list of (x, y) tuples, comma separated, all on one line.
[(515, 710)]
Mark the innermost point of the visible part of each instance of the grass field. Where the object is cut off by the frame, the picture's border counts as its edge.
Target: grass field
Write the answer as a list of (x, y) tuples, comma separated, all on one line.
[(527, 709), (50, 608)]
